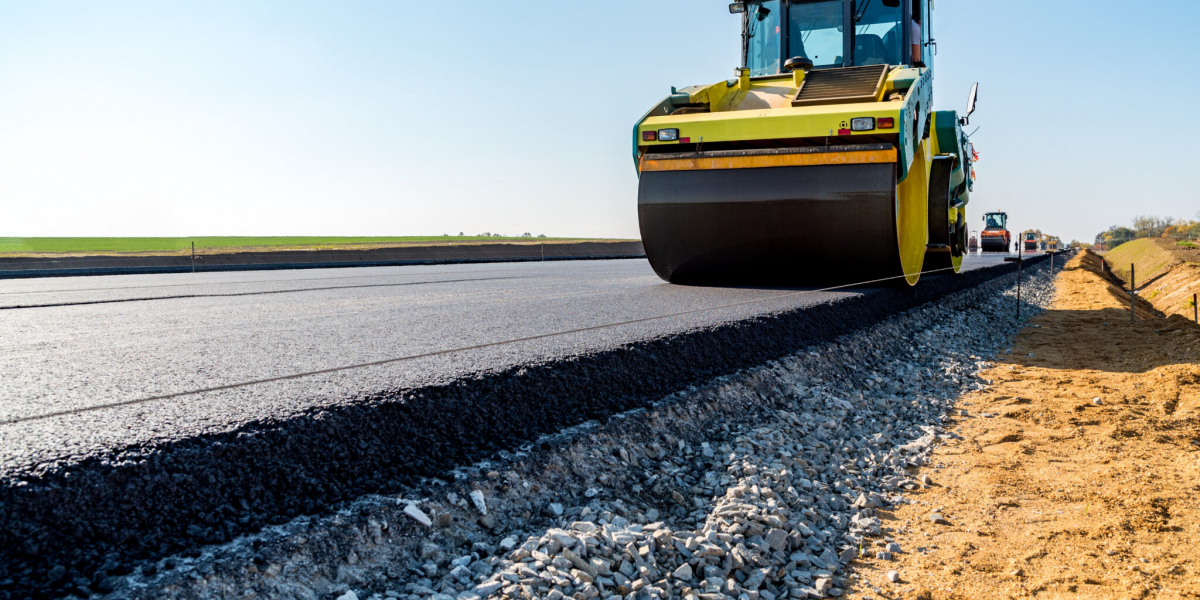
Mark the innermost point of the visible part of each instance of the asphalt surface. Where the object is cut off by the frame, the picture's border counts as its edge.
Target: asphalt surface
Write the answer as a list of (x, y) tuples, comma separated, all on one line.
[(84, 358), (148, 416)]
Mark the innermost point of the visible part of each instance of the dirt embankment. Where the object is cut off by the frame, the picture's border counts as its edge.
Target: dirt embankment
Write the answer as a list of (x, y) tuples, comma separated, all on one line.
[(1168, 275), (1078, 471)]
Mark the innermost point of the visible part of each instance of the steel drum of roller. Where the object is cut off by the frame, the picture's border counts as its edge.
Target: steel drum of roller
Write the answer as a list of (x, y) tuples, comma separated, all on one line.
[(792, 217)]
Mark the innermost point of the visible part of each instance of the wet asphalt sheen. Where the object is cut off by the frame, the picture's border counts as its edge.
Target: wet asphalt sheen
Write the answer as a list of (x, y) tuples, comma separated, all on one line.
[(94, 364)]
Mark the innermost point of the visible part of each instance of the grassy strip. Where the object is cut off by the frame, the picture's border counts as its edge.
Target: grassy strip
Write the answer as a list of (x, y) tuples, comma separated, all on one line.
[(1168, 275), (65, 245), (1150, 255)]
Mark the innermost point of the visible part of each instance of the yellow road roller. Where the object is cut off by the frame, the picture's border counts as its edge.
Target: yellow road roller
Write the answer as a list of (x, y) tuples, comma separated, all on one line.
[(821, 161)]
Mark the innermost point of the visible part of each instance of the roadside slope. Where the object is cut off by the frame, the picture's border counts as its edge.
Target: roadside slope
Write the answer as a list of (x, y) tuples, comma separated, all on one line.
[(1152, 256), (1077, 472), (1167, 275)]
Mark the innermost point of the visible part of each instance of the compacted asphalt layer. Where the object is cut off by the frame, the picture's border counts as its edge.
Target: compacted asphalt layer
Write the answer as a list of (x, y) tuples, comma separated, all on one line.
[(147, 415), (85, 358)]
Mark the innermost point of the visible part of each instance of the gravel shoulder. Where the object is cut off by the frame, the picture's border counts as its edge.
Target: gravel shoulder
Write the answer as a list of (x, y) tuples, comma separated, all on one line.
[(1077, 471)]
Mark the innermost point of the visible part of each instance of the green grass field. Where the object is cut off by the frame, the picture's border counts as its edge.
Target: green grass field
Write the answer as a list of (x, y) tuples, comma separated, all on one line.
[(1151, 255), (106, 245)]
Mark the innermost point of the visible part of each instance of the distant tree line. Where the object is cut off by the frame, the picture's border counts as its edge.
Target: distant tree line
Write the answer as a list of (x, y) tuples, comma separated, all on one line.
[(1146, 226), (500, 235)]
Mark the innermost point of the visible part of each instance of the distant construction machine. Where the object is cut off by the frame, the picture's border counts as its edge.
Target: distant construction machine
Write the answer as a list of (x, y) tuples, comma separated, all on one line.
[(821, 161), (1031, 241), (995, 237), (973, 244)]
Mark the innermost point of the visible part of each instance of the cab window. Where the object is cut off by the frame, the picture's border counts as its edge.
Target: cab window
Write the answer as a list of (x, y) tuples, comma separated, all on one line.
[(762, 45), (816, 31), (878, 34), (926, 32)]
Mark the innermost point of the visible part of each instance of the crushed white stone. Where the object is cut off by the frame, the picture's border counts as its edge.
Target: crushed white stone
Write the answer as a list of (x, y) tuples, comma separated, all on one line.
[(418, 515), (477, 499)]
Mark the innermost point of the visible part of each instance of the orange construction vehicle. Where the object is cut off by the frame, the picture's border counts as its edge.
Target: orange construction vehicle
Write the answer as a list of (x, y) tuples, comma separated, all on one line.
[(996, 237), (1032, 241)]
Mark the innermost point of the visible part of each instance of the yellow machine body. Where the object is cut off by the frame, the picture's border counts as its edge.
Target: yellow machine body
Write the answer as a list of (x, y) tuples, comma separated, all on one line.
[(836, 175)]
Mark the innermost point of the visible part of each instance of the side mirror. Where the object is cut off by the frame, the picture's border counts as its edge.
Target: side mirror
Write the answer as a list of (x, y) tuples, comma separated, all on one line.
[(737, 8), (966, 119)]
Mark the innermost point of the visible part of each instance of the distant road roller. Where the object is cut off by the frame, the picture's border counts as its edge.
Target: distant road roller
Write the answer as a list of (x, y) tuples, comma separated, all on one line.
[(821, 162), (996, 237), (1032, 240)]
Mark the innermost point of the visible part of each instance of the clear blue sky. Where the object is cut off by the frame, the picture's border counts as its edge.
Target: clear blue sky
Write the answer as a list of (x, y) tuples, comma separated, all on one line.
[(397, 117)]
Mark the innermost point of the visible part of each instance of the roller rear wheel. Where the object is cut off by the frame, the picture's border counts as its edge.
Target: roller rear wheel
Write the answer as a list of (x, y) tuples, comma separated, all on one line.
[(947, 233)]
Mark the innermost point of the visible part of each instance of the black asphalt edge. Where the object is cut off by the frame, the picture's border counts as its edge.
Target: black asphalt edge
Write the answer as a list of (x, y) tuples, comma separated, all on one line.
[(109, 513), (98, 271)]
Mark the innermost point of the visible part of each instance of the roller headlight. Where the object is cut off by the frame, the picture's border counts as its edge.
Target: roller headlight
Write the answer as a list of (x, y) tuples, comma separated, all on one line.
[(862, 124)]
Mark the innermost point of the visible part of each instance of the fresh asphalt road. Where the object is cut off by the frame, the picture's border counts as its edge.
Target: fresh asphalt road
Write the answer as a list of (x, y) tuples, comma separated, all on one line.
[(87, 361)]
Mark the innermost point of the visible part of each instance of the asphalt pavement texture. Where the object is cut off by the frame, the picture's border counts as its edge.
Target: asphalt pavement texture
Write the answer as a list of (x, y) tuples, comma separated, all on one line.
[(144, 415)]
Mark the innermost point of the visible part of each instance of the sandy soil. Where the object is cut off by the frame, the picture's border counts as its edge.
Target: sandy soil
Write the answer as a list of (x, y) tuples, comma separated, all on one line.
[(1174, 292), (1052, 493)]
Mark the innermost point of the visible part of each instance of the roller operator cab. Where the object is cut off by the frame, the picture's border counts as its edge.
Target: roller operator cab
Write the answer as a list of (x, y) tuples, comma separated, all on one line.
[(821, 161)]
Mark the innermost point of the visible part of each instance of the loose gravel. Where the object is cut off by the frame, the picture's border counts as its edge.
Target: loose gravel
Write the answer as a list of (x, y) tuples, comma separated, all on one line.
[(760, 485)]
